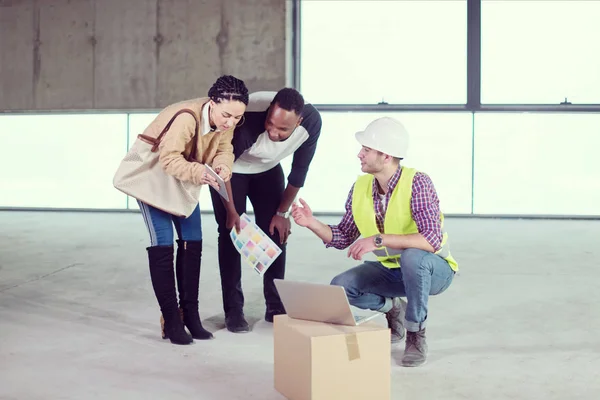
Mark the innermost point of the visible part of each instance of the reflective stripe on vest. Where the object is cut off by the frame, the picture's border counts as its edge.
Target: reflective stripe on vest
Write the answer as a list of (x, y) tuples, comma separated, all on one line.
[(398, 218)]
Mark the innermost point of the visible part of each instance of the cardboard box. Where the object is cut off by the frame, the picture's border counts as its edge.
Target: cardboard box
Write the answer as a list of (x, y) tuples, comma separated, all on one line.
[(320, 361)]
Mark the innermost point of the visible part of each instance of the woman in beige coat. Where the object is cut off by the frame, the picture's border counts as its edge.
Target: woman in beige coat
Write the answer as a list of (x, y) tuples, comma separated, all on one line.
[(218, 114)]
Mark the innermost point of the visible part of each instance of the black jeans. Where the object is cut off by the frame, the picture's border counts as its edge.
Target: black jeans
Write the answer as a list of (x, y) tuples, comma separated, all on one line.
[(265, 191)]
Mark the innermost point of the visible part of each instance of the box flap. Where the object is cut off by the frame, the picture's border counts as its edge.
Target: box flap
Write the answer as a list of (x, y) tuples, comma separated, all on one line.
[(312, 328)]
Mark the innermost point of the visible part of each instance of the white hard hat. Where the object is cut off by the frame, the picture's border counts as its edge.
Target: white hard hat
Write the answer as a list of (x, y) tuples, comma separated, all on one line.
[(387, 135)]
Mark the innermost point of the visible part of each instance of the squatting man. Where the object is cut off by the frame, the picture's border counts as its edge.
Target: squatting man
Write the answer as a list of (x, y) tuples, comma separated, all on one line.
[(395, 211)]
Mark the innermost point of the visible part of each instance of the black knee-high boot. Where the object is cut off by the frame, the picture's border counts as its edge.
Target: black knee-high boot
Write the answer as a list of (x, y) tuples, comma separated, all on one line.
[(189, 258), (163, 281)]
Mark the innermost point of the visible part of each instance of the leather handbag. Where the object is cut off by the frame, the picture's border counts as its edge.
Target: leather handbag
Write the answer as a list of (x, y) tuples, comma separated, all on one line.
[(141, 175)]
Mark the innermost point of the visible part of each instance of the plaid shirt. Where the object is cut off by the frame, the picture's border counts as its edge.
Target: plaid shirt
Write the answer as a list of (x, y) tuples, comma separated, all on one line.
[(424, 206)]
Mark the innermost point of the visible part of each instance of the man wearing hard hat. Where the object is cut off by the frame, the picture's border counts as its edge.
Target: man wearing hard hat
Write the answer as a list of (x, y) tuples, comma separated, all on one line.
[(395, 210)]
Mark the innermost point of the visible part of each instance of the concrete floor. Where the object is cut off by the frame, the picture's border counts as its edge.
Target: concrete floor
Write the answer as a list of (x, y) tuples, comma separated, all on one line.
[(78, 318)]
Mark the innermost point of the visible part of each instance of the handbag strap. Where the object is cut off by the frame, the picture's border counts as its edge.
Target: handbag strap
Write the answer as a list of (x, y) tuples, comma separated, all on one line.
[(155, 142)]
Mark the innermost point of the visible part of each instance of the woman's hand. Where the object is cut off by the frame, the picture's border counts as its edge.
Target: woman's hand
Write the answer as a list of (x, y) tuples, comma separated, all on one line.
[(206, 178), (223, 171)]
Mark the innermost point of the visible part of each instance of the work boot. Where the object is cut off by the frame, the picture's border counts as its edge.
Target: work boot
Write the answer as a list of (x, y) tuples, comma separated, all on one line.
[(236, 323), (188, 291), (415, 352), (160, 260), (395, 318)]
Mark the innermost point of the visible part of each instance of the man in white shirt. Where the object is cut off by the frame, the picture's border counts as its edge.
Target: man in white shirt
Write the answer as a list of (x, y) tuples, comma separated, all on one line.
[(276, 126)]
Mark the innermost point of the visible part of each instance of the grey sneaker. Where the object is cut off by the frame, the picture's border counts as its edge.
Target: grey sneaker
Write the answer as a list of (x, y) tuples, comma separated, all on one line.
[(415, 352), (395, 318)]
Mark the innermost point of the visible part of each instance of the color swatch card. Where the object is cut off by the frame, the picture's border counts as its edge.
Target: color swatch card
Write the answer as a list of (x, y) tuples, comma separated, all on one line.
[(255, 247)]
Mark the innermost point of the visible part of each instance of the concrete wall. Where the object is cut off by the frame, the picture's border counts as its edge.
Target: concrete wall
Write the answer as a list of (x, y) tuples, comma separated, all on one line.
[(135, 54)]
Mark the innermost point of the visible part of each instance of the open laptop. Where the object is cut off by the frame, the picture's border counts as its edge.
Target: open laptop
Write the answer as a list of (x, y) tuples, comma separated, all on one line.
[(320, 302)]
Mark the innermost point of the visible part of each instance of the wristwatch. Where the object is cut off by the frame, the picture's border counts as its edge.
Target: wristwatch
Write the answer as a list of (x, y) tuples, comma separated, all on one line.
[(378, 240), (282, 214)]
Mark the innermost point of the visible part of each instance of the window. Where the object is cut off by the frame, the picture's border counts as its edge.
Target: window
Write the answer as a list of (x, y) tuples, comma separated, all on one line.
[(540, 52), (440, 145), (399, 52), (61, 161), (533, 163)]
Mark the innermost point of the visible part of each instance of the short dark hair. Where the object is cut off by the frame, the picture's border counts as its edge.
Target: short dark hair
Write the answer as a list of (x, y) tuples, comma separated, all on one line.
[(228, 87), (289, 99)]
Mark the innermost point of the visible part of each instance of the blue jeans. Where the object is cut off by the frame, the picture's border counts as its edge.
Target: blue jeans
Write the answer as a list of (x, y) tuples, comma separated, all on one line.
[(372, 286), (160, 225)]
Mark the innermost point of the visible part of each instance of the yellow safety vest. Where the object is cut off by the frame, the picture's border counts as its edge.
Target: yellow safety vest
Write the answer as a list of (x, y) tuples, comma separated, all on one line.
[(398, 217)]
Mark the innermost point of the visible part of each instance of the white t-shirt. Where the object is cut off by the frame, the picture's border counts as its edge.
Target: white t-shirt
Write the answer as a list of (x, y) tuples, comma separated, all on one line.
[(256, 152)]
